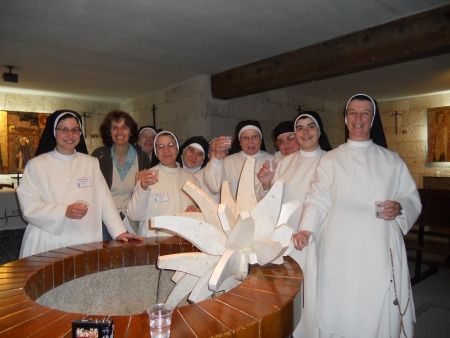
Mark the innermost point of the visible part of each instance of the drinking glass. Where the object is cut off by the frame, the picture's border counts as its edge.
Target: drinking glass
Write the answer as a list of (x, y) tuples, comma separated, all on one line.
[(154, 172), (160, 317), (228, 139), (379, 209)]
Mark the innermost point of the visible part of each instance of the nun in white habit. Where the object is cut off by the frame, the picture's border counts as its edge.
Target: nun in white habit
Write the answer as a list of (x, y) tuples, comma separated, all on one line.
[(159, 189), (297, 171), (248, 142), (363, 287), (63, 194), (146, 137), (193, 156)]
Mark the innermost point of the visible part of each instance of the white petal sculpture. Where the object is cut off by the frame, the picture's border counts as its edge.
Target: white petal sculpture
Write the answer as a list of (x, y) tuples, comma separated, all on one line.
[(227, 198), (204, 236), (246, 195), (182, 289), (230, 235), (194, 263), (267, 211), (205, 202), (228, 265), (227, 218), (290, 214)]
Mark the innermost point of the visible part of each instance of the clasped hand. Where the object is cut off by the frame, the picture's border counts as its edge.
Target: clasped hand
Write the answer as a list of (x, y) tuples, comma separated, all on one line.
[(391, 210), (76, 210), (301, 239), (266, 173)]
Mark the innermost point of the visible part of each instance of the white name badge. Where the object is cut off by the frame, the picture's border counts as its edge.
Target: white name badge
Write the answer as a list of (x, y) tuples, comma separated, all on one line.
[(84, 182), (161, 197)]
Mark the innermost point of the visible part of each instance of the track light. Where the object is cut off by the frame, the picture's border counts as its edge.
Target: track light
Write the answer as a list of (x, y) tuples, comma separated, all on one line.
[(10, 76)]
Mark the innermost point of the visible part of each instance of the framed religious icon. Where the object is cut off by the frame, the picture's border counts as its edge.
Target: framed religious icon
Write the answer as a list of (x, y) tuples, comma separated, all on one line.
[(23, 132), (438, 121)]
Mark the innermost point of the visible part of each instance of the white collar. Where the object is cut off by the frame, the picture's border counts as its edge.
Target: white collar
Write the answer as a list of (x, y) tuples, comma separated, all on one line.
[(310, 154), (256, 156), (193, 170), (63, 157), (169, 169), (359, 144)]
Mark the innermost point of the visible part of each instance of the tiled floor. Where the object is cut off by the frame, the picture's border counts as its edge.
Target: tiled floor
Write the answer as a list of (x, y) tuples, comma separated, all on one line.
[(432, 302)]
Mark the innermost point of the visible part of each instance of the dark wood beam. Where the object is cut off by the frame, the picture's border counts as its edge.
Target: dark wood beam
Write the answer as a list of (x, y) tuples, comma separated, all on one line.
[(414, 37)]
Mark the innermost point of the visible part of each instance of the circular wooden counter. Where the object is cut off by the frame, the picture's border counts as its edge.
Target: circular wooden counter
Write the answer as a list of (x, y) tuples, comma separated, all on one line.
[(261, 306)]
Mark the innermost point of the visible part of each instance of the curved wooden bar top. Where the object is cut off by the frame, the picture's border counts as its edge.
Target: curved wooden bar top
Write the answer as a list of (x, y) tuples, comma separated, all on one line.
[(261, 306)]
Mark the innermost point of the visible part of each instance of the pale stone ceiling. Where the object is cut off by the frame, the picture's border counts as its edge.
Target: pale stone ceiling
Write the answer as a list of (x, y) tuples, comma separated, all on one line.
[(120, 49)]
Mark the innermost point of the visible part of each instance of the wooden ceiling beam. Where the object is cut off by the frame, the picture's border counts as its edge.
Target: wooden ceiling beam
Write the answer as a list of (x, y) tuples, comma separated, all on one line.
[(414, 37)]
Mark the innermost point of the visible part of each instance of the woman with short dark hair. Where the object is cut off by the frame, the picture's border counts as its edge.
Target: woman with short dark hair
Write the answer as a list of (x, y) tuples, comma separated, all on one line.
[(120, 161)]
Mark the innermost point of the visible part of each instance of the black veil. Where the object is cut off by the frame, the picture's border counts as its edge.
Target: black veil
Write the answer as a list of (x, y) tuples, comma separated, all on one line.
[(47, 142)]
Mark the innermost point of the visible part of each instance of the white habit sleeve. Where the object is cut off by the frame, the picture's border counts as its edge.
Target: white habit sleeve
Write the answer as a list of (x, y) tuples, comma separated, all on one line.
[(138, 204), (214, 175), (46, 216), (407, 195)]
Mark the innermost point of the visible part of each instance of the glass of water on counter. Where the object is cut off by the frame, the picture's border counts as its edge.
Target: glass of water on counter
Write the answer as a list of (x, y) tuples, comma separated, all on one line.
[(160, 317)]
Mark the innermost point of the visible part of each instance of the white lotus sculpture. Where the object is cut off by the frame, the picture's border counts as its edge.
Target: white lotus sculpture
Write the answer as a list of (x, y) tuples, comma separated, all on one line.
[(230, 235)]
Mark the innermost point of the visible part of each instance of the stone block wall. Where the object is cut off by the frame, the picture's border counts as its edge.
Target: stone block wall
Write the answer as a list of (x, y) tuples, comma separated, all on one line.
[(273, 107), (188, 109), (410, 140), (180, 108)]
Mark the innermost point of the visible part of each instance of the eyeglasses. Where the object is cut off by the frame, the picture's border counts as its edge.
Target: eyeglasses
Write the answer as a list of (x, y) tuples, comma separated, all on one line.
[(169, 145), (66, 131), (117, 128), (247, 139)]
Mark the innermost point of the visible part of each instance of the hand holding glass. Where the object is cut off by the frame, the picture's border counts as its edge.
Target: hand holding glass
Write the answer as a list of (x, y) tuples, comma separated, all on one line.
[(77, 210), (149, 177), (270, 165), (225, 141), (222, 146), (86, 204), (153, 173)]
